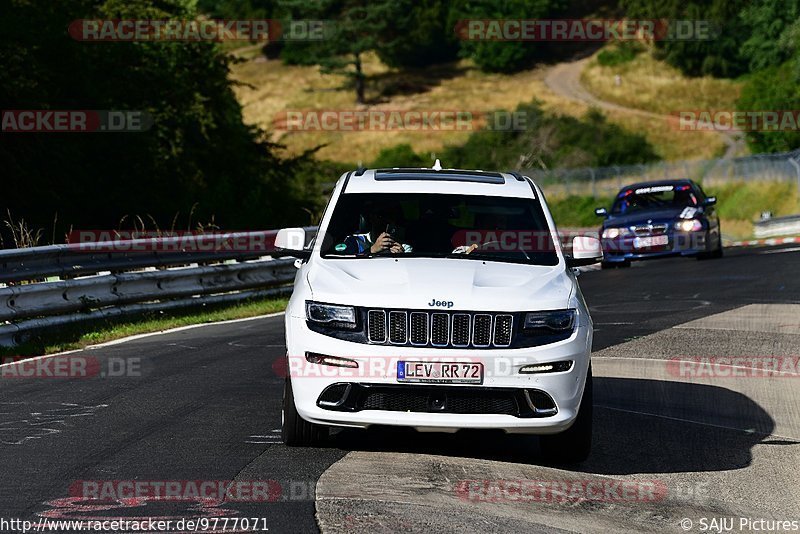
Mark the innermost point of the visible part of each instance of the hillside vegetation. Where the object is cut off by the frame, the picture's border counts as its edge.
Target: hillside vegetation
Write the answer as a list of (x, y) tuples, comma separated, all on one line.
[(267, 87)]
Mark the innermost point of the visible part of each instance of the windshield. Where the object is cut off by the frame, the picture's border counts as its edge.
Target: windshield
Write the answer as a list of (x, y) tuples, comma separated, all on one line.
[(651, 197), (368, 225)]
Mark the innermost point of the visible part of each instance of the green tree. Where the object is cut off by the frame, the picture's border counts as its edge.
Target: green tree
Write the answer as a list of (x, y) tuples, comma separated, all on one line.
[(550, 141), (774, 88), (504, 56), (243, 9), (399, 156), (718, 56), (770, 25), (198, 156), (355, 28), (419, 35)]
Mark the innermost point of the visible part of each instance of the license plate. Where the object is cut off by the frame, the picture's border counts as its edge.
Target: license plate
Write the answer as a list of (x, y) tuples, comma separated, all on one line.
[(440, 372), (647, 242)]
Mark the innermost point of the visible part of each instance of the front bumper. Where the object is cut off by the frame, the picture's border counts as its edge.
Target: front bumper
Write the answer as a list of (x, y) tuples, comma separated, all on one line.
[(679, 244), (378, 368)]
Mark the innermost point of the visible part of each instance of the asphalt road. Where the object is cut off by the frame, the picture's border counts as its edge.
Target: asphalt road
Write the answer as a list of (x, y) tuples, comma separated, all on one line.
[(204, 405)]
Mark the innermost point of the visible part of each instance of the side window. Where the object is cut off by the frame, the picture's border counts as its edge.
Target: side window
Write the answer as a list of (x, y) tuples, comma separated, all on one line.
[(698, 191)]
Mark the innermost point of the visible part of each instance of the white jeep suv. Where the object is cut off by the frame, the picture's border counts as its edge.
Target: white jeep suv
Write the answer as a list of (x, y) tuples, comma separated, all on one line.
[(439, 299)]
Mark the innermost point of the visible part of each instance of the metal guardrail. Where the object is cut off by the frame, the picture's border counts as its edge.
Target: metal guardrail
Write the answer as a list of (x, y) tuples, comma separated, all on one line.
[(78, 259), (175, 277), (606, 181), (55, 298), (777, 226)]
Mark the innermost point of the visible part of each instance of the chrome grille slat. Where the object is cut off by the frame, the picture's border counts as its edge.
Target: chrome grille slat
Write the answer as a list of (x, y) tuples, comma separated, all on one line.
[(376, 326), (398, 327), (503, 325), (419, 328), (459, 336), (482, 330), (439, 329)]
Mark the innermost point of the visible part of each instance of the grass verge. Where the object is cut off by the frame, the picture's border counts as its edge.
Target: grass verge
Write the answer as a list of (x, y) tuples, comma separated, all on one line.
[(83, 335), (651, 85)]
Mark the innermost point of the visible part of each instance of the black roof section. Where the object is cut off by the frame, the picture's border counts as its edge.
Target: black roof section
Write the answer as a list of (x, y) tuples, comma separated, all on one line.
[(658, 182), (443, 175)]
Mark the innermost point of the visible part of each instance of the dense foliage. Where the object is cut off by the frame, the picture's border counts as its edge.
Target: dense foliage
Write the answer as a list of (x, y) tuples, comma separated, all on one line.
[(546, 141), (550, 141), (198, 158)]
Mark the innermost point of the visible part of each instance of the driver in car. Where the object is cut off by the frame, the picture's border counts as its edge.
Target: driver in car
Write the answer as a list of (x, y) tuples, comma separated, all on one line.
[(383, 223)]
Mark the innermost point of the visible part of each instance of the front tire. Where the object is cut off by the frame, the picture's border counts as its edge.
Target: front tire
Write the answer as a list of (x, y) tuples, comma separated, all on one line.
[(713, 254), (574, 444), (296, 431)]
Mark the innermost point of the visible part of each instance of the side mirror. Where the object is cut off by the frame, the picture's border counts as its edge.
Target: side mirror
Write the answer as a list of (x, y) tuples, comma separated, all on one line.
[(710, 201), (585, 251), (292, 240), (601, 212)]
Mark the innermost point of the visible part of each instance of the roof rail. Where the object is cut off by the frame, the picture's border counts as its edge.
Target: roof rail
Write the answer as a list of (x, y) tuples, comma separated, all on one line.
[(360, 171), (516, 175)]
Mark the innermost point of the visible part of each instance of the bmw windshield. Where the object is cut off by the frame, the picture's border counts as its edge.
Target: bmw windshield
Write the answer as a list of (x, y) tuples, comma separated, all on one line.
[(368, 225), (652, 197)]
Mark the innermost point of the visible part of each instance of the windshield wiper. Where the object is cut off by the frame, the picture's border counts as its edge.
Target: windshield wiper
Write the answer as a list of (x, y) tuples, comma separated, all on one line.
[(477, 255)]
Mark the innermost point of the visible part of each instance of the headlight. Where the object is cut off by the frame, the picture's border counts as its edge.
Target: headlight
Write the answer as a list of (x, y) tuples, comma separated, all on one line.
[(690, 225), (549, 321), (611, 233), (331, 315)]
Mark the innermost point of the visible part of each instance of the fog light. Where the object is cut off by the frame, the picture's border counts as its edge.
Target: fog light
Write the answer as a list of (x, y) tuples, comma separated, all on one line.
[(334, 361), (539, 368)]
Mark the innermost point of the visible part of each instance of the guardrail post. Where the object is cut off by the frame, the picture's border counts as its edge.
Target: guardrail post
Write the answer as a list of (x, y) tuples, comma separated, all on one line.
[(796, 166)]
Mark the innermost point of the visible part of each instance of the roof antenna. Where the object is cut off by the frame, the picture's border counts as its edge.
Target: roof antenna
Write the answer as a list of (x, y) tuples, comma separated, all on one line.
[(437, 166)]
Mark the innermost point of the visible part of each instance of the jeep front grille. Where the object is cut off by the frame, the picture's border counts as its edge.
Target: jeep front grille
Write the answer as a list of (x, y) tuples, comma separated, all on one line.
[(439, 329)]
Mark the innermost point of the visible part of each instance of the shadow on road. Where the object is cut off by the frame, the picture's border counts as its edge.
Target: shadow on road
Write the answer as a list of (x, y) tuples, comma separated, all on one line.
[(640, 426)]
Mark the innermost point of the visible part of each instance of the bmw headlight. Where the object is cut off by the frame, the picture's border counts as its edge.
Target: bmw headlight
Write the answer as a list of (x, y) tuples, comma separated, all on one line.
[(331, 315), (549, 322), (689, 225), (612, 233)]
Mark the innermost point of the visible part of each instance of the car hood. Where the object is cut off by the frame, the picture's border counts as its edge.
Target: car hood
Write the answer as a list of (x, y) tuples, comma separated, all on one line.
[(414, 283), (641, 217)]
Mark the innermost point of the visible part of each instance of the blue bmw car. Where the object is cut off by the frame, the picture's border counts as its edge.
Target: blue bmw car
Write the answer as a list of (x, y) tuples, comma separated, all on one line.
[(655, 219)]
